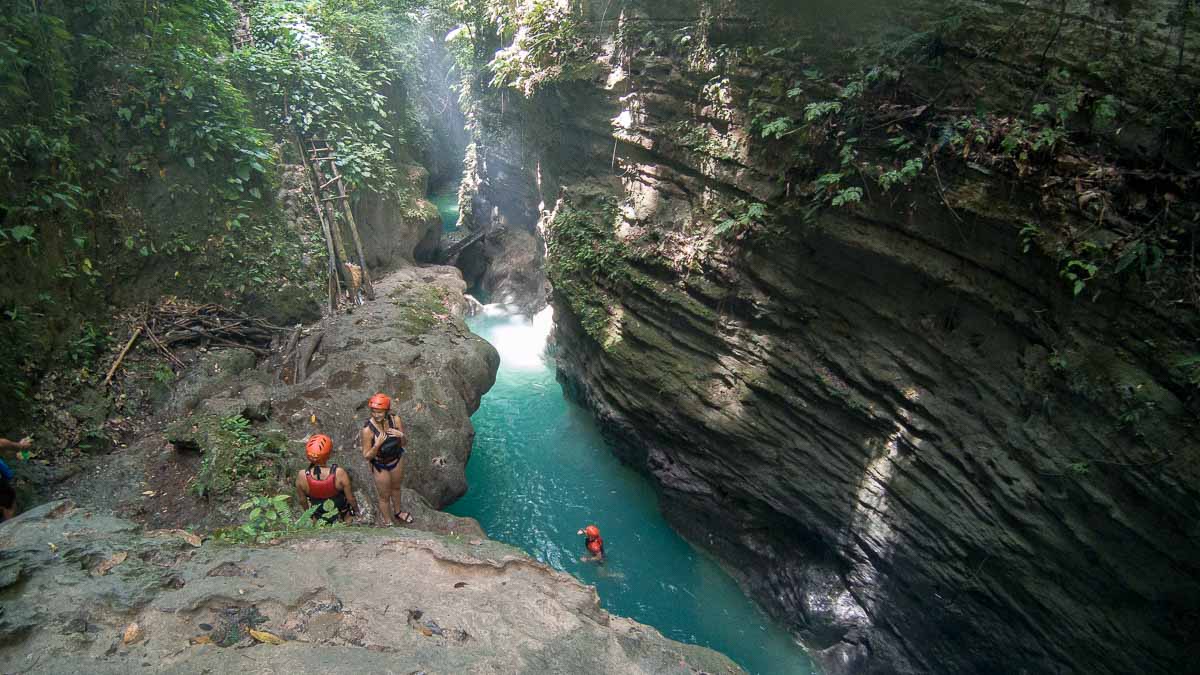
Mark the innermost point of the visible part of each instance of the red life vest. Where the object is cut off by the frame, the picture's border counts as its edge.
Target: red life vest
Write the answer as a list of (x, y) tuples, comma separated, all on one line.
[(324, 488), (596, 546)]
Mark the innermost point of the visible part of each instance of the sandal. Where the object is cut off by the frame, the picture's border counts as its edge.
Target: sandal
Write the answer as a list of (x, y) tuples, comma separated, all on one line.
[(404, 517)]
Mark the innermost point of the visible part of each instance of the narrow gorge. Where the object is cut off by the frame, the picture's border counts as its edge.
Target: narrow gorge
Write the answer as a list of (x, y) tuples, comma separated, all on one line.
[(890, 310), (895, 302), (219, 243)]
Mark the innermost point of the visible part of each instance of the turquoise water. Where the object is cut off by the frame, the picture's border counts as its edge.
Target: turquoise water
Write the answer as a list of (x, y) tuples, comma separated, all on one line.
[(446, 200), (540, 471)]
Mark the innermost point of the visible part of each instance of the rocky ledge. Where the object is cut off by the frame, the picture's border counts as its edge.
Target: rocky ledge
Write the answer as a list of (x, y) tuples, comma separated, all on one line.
[(82, 591), (410, 342)]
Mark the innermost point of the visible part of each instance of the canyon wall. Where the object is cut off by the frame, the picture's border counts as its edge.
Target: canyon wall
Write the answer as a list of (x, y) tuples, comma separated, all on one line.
[(872, 294)]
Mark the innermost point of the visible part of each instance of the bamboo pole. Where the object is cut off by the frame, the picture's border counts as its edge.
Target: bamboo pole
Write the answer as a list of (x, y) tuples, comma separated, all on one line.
[(339, 242), (120, 357), (330, 239), (362, 260)]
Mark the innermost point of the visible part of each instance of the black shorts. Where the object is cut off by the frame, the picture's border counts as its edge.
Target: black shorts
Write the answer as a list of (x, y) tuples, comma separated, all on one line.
[(8, 496), (339, 500), (381, 463)]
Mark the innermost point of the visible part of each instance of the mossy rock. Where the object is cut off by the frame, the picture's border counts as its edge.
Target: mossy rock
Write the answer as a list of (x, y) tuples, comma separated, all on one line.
[(91, 410), (213, 378), (195, 433), (233, 451), (233, 361), (421, 309), (286, 306)]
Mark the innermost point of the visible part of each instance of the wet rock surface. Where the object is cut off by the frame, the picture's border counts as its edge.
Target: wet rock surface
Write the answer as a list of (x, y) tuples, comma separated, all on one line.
[(508, 269), (86, 592)]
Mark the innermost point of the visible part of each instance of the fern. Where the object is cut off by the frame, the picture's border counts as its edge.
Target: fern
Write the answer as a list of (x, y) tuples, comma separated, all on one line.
[(850, 195)]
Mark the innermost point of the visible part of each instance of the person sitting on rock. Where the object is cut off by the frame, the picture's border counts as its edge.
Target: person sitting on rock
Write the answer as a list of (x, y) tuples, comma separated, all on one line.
[(595, 545), (383, 446), (322, 481), (8, 496)]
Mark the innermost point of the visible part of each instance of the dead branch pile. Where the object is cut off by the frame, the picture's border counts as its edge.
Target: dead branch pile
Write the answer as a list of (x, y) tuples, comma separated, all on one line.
[(175, 323), (178, 323)]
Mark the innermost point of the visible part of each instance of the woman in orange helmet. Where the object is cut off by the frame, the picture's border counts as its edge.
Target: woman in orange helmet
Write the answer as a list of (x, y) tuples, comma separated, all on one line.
[(595, 545), (383, 446), (322, 481)]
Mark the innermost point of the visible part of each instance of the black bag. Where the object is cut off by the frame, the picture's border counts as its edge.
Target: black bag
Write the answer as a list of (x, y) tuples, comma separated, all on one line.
[(391, 449)]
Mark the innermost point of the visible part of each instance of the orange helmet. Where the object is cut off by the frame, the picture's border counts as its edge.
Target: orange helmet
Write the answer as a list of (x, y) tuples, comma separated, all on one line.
[(591, 531), (318, 447), (380, 402)]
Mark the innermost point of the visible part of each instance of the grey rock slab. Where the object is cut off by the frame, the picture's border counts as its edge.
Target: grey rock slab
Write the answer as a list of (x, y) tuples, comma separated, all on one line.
[(351, 600), (411, 344)]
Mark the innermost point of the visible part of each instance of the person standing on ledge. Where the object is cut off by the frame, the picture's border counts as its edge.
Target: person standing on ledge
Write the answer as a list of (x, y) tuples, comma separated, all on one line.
[(595, 545), (8, 496), (383, 446), (322, 481)]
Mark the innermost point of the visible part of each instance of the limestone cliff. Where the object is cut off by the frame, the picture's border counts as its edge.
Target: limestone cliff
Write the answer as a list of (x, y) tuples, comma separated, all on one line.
[(399, 228), (861, 288), (507, 264)]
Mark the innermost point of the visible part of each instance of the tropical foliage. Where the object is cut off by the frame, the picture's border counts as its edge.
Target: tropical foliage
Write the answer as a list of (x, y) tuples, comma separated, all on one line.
[(140, 152)]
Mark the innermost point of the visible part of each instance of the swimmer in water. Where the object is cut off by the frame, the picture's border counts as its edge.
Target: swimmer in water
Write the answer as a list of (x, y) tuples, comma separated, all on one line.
[(595, 545)]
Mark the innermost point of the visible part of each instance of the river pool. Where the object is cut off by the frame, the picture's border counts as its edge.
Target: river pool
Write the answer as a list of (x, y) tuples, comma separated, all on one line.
[(540, 471)]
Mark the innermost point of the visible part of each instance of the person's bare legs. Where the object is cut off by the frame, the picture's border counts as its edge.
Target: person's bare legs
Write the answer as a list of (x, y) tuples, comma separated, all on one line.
[(396, 491), (383, 488)]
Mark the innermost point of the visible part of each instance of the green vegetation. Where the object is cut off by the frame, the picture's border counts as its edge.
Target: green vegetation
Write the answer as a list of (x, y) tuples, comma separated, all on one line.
[(139, 151), (100, 97), (269, 518), (584, 260), (548, 45), (234, 454), (744, 218), (335, 70)]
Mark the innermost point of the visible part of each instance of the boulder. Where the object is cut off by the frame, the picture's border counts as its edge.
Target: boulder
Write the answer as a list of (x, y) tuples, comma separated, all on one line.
[(410, 343)]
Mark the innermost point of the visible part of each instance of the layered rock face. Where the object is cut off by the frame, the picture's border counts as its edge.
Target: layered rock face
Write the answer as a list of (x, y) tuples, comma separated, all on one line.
[(903, 427), (86, 592)]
